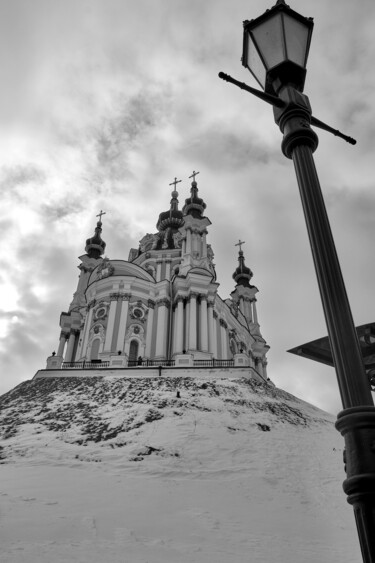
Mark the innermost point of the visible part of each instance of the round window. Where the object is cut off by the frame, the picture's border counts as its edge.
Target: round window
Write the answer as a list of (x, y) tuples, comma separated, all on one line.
[(138, 313), (101, 313)]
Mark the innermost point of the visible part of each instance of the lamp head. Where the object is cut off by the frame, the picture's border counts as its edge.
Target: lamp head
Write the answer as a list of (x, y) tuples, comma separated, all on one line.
[(276, 46)]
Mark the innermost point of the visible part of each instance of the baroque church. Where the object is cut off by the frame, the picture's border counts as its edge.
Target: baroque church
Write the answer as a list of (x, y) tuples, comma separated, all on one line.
[(161, 306)]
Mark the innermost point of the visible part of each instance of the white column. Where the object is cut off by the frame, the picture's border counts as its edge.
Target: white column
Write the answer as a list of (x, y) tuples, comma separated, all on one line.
[(86, 332), (62, 342), (214, 348), (158, 270), (123, 320), (204, 324), (70, 347), (161, 329), (168, 269), (188, 241), (210, 321), (150, 324), (187, 324), (183, 246), (223, 334), (204, 244), (110, 326), (242, 306), (179, 332), (259, 366), (248, 310), (193, 322), (255, 316)]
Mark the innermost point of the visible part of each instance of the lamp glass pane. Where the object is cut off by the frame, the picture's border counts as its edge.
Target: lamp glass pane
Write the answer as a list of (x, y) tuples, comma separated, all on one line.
[(255, 63), (270, 41), (296, 36)]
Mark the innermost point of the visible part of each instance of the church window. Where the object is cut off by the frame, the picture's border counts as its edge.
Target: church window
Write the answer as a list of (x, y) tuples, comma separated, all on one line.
[(138, 313), (101, 313), (95, 349)]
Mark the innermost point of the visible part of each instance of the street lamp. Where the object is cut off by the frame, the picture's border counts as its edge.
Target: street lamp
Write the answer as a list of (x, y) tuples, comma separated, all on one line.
[(276, 47)]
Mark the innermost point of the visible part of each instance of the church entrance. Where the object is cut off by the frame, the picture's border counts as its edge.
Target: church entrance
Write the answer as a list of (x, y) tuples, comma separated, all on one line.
[(95, 349), (133, 352)]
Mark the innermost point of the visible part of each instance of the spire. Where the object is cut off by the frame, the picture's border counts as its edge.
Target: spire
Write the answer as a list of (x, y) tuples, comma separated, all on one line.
[(194, 205), (95, 246), (242, 274)]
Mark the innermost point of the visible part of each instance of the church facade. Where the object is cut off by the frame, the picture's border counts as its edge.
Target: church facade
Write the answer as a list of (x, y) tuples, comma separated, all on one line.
[(161, 304)]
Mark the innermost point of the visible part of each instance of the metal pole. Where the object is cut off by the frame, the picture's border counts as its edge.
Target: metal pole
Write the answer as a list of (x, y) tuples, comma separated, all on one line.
[(357, 421)]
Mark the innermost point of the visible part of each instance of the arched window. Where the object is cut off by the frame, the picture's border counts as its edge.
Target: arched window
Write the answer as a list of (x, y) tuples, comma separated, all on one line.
[(95, 349), (133, 352)]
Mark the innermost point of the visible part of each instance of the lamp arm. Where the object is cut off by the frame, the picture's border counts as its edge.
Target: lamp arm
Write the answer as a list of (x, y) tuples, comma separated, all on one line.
[(273, 100), (277, 102), (317, 123)]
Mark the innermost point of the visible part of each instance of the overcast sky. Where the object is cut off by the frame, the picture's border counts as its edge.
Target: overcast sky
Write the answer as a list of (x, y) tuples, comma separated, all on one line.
[(104, 102)]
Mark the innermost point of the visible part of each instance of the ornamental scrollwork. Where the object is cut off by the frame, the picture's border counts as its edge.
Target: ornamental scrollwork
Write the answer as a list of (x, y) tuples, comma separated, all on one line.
[(105, 269)]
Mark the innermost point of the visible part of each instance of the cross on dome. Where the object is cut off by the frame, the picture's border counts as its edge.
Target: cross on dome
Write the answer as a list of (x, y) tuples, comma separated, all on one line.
[(240, 243), (193, 175), (174, 183), (100, 215)]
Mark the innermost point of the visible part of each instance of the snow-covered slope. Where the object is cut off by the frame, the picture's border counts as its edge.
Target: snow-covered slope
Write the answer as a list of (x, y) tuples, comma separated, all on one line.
[(177, 470)]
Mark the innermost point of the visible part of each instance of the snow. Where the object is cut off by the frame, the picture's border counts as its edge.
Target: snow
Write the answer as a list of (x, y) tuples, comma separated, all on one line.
[(124, 471)]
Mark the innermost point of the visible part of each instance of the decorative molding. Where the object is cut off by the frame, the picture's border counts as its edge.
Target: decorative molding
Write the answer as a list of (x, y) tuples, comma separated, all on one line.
[(86, 269), (164, 302), (151, 304), (105, 269), (215, 315), (115, 296), (223, 323), (126, 296)]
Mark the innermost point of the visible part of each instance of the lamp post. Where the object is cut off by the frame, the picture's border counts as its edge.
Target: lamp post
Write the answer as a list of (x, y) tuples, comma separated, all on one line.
[(276, 47)]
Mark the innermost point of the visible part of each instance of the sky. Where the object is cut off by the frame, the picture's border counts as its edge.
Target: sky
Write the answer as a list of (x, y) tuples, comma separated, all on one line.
[(104, 102)]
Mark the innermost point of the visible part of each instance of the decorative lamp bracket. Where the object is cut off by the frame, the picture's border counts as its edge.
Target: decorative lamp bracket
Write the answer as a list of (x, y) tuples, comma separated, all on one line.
[(282, 107)]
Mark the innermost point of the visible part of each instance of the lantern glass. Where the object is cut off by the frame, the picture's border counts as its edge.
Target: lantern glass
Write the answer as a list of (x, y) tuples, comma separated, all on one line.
[(296, 37), (276, 47), (269, 38), (255, 63)]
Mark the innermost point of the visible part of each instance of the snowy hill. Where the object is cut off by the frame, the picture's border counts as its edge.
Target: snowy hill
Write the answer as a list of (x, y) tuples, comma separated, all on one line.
[(177, 470)]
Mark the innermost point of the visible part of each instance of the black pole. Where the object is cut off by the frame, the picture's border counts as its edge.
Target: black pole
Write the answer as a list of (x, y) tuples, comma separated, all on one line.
[(357, 421)]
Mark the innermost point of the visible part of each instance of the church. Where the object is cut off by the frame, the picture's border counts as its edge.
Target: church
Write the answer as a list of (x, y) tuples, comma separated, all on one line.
[(161, 307)]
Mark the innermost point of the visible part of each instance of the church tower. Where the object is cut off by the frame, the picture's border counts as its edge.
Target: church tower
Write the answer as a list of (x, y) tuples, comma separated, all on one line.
[(244, 298), (161, 306)]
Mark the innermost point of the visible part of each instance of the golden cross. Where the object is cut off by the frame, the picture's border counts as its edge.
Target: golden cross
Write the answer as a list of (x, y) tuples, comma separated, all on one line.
[(240, 243), (100, 215), (193, 175), (175, 182)]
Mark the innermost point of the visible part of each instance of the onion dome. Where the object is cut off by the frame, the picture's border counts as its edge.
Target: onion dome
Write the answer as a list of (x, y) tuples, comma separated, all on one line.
[(194, 205), (95, 246), (242, 274), (172, 219)]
